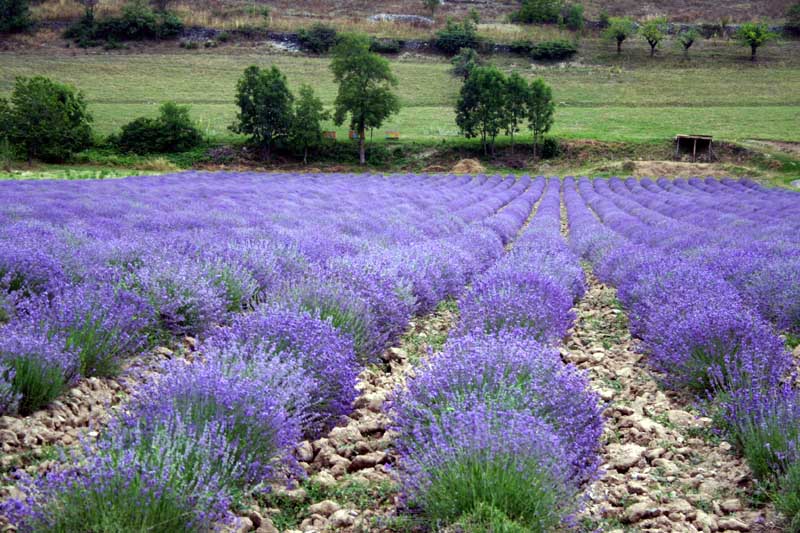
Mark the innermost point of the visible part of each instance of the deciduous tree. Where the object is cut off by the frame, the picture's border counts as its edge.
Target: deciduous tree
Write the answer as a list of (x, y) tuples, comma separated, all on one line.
[(518, 94), (619, 29), (754, 35), (653, 31), (541, 110), (309, 113), (481, 109), (365, 87), (265, 106)]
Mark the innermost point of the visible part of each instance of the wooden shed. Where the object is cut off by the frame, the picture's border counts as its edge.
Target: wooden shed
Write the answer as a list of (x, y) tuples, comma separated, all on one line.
[(698, 147)]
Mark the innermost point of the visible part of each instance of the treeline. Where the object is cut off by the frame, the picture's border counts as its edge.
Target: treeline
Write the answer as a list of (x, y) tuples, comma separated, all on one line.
[(50, 121)]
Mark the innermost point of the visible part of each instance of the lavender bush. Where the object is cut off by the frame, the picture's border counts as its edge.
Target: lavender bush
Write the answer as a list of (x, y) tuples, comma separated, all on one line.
[(319, 349)]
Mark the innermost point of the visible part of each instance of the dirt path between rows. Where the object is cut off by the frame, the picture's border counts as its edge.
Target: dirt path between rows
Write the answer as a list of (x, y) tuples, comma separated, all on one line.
[(665, 468)]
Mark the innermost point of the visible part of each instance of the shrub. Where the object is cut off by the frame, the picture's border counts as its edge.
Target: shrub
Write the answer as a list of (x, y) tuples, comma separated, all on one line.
[(323, 353), (464, 62), (14, 16), (385, 46), (521, 46), (604, 20), (185, 300), (100, 325), (505, 372), (539, 11), (573, 17), (318, 39), (137, 22), (172, 131), (256, 408), (48, 120), (551, 148), (36, 368), (793, 19), (455, 36), (166, 480), (553, 50)]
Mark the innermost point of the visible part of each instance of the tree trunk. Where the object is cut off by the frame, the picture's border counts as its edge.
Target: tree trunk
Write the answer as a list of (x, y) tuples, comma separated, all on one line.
[(653, 49), (362, 153), (753, 52), (619, 47), (512, 143), (305, 155)]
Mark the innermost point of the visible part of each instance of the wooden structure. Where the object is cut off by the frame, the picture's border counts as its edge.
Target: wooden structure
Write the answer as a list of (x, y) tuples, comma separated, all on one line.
[(329, 135), (699, 147), (392, 135)]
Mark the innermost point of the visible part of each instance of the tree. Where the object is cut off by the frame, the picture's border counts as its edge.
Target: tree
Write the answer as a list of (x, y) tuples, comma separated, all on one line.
[(306, 129), (754, 35), (14, 16), (619, 29), (687, 38), (265, 106), (793, 19), (541, 110), (481, 109), (365, 87), (573, 17), (432, 6), (654, 31), (47, 120), (89, 7), (464, 62), (518, 94)]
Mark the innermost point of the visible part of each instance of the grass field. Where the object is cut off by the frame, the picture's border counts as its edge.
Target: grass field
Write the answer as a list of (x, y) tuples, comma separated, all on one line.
[(629, 101)]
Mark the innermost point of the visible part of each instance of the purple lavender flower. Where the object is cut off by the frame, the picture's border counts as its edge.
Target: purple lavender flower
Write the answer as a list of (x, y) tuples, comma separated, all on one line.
[(515, 373), (317, 347)]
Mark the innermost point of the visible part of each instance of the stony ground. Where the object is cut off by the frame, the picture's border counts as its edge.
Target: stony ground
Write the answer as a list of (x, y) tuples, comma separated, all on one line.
[(665, 468), (350, 486)]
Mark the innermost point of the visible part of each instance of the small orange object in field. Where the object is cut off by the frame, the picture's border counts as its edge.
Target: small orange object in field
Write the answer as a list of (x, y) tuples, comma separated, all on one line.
[(329, 135), (393, 135)]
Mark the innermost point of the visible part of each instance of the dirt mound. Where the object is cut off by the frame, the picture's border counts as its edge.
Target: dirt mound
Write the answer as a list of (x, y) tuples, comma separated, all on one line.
[(468, 166), (676, 168), (434, 168)]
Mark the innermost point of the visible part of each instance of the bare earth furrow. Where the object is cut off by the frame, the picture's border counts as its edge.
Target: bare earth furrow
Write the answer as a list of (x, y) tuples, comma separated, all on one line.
[(665, 468)]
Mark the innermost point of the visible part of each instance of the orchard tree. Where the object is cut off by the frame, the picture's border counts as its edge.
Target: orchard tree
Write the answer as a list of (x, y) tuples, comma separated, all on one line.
[(481, 106), (541, 110), (687, 38), (619, 29), (463, 62), (793, 19), (47, 120), (754, 35), (265, 106), (306, 131), (654, 31), (517, 95), (432, 6), (365, 87)]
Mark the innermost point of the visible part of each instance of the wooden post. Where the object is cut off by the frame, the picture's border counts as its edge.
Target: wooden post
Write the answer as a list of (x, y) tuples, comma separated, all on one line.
[(694, 151)]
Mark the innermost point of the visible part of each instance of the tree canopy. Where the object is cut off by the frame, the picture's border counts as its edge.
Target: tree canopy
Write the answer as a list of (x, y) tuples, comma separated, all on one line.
[(365, 87), (265, 106)]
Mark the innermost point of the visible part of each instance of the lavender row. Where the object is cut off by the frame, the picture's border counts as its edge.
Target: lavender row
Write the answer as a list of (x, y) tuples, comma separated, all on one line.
[(91, 273), (189, 445), (495, 431), (761, 259), (701, 335)]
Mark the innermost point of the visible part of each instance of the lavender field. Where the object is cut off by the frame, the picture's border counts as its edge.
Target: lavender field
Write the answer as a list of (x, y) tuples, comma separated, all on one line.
[(263, 352)]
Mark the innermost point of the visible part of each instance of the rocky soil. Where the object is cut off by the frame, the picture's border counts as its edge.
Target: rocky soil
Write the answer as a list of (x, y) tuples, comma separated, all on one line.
[(665, 468), (350, 486)]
